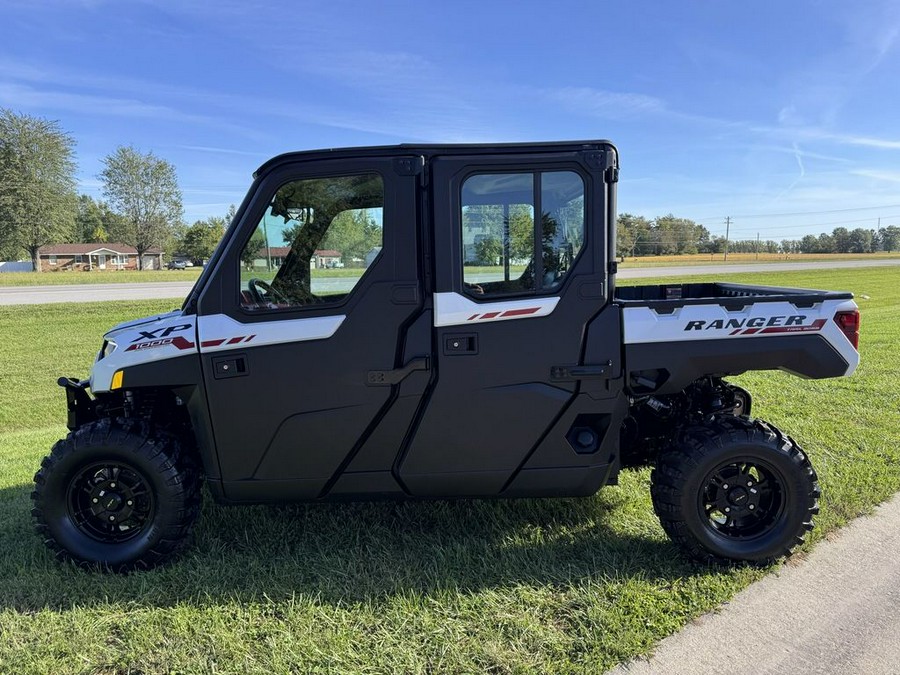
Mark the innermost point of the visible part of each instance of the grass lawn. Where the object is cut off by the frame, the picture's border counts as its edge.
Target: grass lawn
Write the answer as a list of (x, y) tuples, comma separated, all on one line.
[(553, 585), (96, 277), (745, 258)]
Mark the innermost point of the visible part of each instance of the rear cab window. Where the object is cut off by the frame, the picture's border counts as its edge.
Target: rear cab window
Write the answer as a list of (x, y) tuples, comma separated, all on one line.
[(504, 251)]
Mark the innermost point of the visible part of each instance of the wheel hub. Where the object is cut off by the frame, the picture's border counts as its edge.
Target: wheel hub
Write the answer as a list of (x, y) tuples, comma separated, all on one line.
[(741, 499), (110, 502)]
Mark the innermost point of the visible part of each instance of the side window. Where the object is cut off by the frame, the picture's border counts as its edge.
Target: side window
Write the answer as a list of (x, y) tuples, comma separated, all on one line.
[(500, 254), (314, 243)]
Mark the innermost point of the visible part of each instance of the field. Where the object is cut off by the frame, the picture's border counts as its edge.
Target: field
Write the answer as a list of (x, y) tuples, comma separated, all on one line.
[(555, 585), (745, 258)]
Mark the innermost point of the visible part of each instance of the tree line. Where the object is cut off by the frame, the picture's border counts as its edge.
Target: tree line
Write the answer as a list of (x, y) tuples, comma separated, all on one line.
[(668, 235), (40, 205)]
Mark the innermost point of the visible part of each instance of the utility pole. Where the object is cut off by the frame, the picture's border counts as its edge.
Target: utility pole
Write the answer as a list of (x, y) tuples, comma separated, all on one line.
[(727, 230), (757, 245)]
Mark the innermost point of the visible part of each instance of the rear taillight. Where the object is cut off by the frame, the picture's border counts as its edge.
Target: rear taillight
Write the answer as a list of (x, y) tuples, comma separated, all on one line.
[(849, 325)]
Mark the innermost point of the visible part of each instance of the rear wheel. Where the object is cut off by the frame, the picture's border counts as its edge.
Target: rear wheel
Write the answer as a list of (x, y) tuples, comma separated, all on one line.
[(735, 489), (114, 495)]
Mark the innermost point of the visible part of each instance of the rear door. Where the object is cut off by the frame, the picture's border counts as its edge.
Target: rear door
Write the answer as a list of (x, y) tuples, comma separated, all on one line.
[(307, 331), (515, 296)]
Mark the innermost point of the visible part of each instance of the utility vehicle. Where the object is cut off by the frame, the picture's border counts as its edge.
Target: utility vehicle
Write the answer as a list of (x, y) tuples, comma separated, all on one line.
[(473, 345)]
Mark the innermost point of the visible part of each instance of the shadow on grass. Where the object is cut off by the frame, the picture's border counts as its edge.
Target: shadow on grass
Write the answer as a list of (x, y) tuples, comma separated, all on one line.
[(340, 554)]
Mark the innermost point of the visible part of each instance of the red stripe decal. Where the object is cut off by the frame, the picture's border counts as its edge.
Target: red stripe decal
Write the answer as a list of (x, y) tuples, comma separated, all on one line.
[(182, 343), (250, 338), (212, 343), (235, 340), (735, 332), (473, 317), (521, 312), (751, 331), (490, 315)]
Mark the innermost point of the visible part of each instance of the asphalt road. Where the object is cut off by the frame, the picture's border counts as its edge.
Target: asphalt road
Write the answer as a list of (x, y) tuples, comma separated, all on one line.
[(33, 295), (838, 611)]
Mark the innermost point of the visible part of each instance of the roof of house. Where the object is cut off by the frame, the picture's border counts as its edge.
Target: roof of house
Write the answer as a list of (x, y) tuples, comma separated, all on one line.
[(89, 249), (328, 253)]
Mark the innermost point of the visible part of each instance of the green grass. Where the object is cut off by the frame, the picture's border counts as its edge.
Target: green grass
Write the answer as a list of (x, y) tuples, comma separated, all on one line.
[(553, 585), (748, 258), (96, 277)]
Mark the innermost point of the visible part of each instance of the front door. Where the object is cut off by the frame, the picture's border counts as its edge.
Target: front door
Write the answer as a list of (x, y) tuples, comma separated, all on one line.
[(313, 371), (521, 280)]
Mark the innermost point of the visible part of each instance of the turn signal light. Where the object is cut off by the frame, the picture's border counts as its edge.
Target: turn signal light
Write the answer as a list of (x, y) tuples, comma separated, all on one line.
[(849, 325)]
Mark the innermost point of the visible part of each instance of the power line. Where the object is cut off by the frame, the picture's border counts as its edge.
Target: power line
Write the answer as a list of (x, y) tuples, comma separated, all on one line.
[(805, 213)]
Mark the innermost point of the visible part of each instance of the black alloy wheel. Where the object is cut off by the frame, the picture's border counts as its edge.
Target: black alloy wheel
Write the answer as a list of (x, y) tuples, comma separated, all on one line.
[(116, 495), (735, 490), (110, 501)]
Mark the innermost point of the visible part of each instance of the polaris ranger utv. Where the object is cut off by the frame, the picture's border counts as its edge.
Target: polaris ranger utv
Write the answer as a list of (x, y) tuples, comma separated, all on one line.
[(439, 322)]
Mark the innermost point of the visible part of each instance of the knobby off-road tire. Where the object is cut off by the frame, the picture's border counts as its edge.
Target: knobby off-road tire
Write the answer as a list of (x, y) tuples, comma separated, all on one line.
[(113, 495), (735, 489)]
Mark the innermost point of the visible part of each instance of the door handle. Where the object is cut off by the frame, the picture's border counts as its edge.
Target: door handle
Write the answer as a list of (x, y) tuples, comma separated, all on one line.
[(385, 378), (229, 366)]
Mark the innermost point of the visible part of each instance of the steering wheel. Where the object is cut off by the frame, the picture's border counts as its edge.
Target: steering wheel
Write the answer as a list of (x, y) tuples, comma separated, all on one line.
[(263, 293)]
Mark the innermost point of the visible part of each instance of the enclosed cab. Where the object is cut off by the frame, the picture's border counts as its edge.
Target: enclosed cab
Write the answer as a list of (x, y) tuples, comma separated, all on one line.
[(438, 322)]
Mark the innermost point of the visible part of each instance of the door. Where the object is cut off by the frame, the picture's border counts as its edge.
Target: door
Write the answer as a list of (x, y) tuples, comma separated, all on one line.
[(310, 365), (521, 275), (101, 261)]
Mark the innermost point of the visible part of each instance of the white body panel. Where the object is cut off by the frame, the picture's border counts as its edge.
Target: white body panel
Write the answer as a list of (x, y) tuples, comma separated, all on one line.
[(755, 321), (219, 332), (145, 341), (453, 309)]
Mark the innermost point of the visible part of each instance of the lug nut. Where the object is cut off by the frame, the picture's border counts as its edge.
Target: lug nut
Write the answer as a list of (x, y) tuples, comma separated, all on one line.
[(751, 507), (95, 500), (112, 517), (749, 483), (727, 510), (129, 502), (725, 487), (112, 485)]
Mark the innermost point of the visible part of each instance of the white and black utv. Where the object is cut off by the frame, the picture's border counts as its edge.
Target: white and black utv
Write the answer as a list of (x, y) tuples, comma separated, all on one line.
[(438, 322)]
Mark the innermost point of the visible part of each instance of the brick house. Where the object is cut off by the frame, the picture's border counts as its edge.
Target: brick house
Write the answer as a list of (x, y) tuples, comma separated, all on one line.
[(108, 256)]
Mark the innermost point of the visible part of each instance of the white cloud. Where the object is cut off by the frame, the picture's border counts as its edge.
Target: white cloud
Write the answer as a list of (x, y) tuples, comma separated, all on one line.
[(608, 104)]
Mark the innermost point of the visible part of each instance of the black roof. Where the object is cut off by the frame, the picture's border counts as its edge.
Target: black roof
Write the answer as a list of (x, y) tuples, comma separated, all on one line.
[(430, 149)]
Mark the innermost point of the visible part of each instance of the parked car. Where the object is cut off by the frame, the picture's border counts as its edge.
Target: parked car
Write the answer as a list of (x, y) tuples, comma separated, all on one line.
[(176, 265)]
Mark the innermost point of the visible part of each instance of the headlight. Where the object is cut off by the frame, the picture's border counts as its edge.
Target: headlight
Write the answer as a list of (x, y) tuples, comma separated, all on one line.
[(108, 348)]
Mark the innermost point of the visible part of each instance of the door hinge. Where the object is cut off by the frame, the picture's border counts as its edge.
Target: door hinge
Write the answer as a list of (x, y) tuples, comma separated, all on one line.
[(409, 166)]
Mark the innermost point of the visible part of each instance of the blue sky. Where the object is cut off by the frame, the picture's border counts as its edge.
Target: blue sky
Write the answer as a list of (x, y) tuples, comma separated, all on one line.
[(755, 110)]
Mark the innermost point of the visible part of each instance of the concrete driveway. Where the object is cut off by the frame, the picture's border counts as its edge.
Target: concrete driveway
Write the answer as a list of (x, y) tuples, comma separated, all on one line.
[(838, 611)]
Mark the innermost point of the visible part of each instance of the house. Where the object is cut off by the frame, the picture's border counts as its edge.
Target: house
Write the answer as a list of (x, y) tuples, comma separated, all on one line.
[(108, 256), (274, 257), (327, 258)]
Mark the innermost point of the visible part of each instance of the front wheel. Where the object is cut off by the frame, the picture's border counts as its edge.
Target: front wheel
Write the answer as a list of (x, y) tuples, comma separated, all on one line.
[(735, 489), (112, 494)]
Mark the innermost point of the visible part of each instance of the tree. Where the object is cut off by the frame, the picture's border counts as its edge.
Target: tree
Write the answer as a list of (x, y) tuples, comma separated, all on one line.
[(860, 241), (890, 238), (633, 235), (841, 238), (143, 189), (200, 239), (254, 249), (37, 184)]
